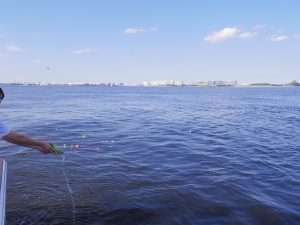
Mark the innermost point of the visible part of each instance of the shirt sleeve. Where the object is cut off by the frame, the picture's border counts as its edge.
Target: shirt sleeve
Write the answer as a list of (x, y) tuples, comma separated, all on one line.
[(4, 130)]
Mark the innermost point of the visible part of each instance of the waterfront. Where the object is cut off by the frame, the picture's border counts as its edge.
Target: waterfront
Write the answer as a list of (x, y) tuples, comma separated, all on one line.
[(155, 155)]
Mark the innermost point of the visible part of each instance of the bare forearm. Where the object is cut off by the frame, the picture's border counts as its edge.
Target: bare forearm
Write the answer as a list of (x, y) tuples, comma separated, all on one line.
[(20, 139)]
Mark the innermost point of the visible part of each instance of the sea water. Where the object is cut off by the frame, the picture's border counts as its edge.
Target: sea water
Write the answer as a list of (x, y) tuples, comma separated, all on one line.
[(137, 155)]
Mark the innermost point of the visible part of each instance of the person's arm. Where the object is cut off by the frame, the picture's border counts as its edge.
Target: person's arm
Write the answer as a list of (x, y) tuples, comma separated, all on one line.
[(20, 139)]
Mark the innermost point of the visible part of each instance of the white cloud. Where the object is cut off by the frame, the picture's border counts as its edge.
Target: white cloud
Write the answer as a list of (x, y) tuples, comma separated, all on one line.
[(83, 51), (134, 30), (131, 31), (14, 48), (228, 33), (247, 35), (276, 37), (225, 34)]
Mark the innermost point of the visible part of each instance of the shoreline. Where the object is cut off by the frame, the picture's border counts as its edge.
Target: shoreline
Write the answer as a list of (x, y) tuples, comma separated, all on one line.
[(158, 86)]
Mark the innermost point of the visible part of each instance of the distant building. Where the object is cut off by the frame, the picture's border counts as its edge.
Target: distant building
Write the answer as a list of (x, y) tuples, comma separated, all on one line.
[(294, 83), (202, 83), (164, 83), (147, 83), (178, 83), (217, 83), (224, 83)]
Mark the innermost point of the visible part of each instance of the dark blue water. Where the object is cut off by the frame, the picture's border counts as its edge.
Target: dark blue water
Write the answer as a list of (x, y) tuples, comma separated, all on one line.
[(155, 155)]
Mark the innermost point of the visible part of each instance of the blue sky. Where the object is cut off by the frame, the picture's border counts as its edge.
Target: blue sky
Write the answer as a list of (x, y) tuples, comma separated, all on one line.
[(137, 40)]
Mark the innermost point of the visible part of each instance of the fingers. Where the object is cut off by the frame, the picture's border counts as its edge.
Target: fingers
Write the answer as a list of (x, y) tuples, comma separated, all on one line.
[(45, 148), (44, 151), (48, 150)]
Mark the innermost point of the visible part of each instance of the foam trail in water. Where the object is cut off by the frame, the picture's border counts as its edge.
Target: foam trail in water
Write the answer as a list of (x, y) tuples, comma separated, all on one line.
[(69, 188)]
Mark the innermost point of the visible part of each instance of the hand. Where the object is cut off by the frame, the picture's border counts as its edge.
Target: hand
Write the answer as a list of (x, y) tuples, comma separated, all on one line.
[(20, 139), (45, 147)]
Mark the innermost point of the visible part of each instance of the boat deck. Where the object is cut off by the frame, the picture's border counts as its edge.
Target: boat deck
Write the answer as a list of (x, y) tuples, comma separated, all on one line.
[(3, 172)]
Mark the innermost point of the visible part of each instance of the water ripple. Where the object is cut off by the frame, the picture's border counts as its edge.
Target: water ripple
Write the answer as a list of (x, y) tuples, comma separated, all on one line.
[(155, 155)]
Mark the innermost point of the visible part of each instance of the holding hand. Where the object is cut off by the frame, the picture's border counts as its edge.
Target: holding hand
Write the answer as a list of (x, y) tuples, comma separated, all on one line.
[(20, 139), (45, 148)]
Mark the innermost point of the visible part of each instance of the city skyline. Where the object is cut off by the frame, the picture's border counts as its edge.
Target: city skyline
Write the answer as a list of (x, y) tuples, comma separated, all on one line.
[(137, 41), (161, 83)]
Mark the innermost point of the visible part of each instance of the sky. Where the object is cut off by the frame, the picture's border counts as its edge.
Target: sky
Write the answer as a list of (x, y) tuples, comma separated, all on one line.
[(133, 41)]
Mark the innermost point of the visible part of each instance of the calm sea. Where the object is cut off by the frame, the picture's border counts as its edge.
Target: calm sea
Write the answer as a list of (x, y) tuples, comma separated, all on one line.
[(154, 155)]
